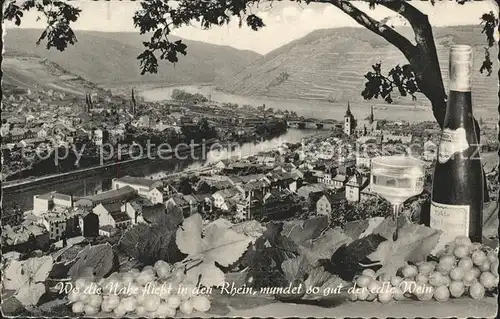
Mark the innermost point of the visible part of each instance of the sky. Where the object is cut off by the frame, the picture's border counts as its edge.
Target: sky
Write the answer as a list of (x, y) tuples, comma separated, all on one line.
[(285, 21)]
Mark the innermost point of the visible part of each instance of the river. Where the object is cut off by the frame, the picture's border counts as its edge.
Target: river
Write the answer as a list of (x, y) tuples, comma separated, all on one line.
[(312, 108), (101, 181)]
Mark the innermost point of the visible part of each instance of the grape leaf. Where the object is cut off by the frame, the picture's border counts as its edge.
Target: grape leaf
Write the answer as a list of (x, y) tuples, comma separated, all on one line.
[(373, 223), (295, 268), (251, 228), (345, 261), (27, 278), (219, 245), (150, 243), (490, 219), (355, 228), (97, 260), (301, 231), (298, 268), (388, 226), (324, 246), (265, 256), (414, 244), (328, 284), (64, 259), (12, 307)]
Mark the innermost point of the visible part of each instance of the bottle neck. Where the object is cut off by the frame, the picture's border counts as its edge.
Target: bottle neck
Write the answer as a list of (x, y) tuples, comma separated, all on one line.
[(459, 110)]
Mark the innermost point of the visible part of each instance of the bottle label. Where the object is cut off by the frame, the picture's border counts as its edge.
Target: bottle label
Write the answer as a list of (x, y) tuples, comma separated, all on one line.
[(452, 142), (453, 220)]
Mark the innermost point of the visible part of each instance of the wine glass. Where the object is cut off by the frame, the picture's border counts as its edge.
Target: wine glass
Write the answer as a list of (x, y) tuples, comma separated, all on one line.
[(397, 178)]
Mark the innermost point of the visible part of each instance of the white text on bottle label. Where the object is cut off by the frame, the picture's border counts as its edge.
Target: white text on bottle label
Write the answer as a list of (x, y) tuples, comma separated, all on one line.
[(452, 142), (453, 220)]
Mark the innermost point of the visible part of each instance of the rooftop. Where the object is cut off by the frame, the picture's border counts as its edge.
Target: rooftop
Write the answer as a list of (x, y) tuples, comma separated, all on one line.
[(55, 195), (137, 181), (113, 207), (112, 195), (120, 216)]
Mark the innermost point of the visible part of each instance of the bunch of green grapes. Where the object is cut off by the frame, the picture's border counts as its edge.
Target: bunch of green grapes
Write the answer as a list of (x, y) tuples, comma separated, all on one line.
[(464, 268), (130, 293), (470, 268), (369, 287)]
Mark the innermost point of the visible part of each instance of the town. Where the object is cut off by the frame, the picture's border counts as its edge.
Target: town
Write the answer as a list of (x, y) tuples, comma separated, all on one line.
[(325, 174)]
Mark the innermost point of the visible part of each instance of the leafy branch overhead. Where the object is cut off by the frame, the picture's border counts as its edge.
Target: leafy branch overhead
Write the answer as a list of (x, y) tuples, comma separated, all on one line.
[(58, 15), (158, 18), (489, 22), (401, 78)]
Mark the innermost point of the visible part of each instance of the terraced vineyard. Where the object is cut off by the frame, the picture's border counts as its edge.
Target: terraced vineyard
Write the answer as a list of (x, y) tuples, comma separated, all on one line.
[(329, 65)]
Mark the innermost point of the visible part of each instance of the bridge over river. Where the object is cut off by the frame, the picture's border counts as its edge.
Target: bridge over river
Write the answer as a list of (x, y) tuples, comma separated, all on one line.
[(313, 124)]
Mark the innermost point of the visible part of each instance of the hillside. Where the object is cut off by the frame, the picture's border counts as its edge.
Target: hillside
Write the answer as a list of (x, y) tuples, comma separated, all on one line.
[(110, 59), (329, 64), (29, 72)]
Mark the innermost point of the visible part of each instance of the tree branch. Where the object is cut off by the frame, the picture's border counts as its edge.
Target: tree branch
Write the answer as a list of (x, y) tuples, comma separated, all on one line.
[(430, 74), (393, 37)]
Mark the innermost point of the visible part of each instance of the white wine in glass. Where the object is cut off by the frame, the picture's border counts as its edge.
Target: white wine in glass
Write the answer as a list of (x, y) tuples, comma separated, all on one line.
[(397, 178)]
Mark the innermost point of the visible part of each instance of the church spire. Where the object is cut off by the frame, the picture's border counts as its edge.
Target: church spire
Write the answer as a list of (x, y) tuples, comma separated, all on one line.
[(348, 111), (372, 117)]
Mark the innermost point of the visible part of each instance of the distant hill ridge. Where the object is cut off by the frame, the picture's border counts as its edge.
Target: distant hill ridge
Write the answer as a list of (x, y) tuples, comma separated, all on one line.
[(330, 64), (110, 58)]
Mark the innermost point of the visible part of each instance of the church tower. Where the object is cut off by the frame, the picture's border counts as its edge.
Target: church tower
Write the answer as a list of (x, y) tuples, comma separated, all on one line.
[(349, 121), (372, 117)]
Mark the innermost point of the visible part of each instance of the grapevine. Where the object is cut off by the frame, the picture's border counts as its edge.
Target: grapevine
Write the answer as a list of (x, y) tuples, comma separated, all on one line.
[(158, 291), (463, 269)]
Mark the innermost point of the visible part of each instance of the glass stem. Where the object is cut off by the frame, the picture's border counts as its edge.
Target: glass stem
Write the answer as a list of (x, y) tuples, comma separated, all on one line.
[(395, 215)]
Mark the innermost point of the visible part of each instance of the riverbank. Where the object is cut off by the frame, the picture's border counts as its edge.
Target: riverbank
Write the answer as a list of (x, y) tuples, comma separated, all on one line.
[(19, 185), (311, 108), (97, 180)]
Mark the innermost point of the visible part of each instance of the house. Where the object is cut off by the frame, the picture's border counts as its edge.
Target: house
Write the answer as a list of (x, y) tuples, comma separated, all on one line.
[(354, 186), (205, 203), (282, 180), (100, 137), (178, 201), (24, 237), (363, 161), (367, 193), (142, 185), (324, 206), (266, 160), (274, 205), (339, 181), (112, 214), (134, 209), (144, 121), (42, 133), (405, 139), (221, 198), (243, 210), (193, 203), (254, 188), (116, 195), (155, 195), (219, 166), (107, 231), (55, 225), (17, 134), (430, 151), (211, 185), (47, 202), (306, 190), (89, 224)]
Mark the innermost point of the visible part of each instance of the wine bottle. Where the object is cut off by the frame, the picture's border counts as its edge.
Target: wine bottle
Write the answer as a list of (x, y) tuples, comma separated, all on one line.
[(457, 189)]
